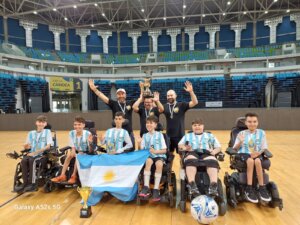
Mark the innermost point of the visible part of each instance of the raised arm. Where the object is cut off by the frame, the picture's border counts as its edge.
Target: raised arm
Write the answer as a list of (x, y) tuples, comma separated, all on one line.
[(135, 106), (102, 96), (189, 88), (157, 102)]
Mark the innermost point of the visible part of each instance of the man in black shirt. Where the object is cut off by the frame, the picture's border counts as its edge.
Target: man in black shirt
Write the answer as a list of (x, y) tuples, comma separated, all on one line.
[(146, 110), (175, 114), (117, 106)]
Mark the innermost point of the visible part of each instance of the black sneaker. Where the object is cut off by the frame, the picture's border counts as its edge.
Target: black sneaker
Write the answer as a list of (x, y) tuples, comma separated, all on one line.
[(194, 191), (30, 188), (156, 195), (213, 189), (145, 192), (250, 194), (263, 194)]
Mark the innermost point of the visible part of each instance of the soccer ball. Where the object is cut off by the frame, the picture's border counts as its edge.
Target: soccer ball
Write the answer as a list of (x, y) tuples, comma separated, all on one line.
[(204, 209)]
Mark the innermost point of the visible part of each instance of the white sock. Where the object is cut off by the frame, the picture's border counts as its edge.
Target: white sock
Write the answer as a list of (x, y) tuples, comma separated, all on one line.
[(157, 177), (147, 178)]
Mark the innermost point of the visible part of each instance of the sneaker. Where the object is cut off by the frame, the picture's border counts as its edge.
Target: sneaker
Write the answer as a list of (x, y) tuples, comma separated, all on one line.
[(250, 194), (263, 194), (60, 178), (213, 189), (72, 180), (145, 192), (156, 195), (30, 188), (194, 191)]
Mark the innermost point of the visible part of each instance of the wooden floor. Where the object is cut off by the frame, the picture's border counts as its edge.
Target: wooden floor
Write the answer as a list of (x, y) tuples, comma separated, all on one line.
[(62, 207)]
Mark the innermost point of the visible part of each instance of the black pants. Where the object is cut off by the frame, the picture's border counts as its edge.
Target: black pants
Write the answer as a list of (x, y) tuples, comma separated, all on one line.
[(174, 143), (132, 140), (27, 167)]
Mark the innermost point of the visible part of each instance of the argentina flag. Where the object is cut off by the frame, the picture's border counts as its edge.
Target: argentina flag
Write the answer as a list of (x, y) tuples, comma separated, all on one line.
[(116, 174)]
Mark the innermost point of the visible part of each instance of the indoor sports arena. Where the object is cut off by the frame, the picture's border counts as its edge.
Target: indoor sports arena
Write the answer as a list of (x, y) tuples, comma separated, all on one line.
[(173, 112)]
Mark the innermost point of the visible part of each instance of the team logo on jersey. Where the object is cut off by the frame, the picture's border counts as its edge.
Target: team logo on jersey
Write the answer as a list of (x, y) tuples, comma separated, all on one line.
[(176, 110)]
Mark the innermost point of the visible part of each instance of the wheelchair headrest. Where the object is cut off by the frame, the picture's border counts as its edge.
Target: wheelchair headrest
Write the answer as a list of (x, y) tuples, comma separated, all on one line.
[(125, 123), (159, 127), (240, 123), (89, 124), (48, 126)]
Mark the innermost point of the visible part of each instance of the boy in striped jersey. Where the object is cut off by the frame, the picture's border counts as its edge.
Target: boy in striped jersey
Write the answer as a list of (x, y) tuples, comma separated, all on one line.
[(250, 144), (155, 142), (80, 141), (115, 138), (37, 141), (204, 146)]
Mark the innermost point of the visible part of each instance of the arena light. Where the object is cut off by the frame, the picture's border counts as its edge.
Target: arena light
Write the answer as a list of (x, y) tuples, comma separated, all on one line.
[(224, 14), (66, 19), (96, 4), (109, 24), (54, 9), (275, 0), (244, 12), (127, 21), (146, 20), (92, 25), (165, 18), (288, 10), (75, 6), (183, 17), (229, 2), (34, 12), (103, 14), (184, 6), (203, 15), (143, 10), (266, 12)]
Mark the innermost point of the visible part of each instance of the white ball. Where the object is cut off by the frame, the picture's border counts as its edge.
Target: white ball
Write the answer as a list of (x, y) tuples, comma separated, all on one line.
[(204, 209)]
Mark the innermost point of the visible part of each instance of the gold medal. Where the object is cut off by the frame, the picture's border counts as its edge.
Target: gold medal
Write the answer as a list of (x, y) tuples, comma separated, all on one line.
[(176, 110), (128, 107)]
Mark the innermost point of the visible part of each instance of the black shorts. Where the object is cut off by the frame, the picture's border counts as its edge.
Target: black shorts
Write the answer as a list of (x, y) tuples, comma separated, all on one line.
[(174, 143), (158, 158)]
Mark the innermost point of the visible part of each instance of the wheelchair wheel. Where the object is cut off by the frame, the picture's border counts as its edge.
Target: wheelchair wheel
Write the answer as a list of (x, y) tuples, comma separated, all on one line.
[(138, 200), (276, 200), (182, 206), (172, 195), (48, 186), (230, 191), (18, 180), (222, 199)]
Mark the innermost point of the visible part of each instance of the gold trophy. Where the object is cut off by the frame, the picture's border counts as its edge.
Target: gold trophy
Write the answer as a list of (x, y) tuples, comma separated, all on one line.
[(85, 211), (145, 86)]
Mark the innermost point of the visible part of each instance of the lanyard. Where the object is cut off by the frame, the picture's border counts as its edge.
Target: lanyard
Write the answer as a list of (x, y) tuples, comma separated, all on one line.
[(172, 111), (78, 145), (37, 139), (148, 113), (122, 109)]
